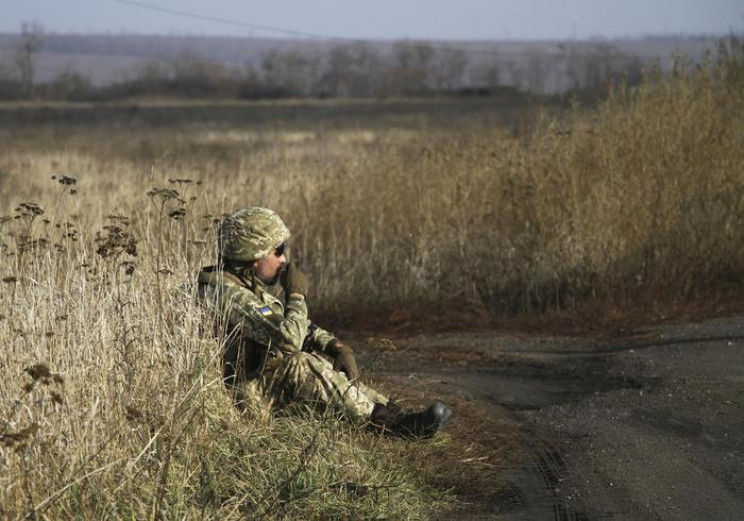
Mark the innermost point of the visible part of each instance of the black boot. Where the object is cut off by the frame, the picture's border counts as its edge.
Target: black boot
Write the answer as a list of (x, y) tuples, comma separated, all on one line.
[(408, 424)]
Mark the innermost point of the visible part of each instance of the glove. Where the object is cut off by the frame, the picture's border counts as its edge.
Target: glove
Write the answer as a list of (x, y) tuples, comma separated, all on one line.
[(294, 280), (344, 361)]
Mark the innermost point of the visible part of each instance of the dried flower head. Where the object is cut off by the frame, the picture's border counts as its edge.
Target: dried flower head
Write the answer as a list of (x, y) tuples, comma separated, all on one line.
[(123, 219), (128, 267), (133, 414), (38, 371), (65, 180), (178, 214), (115, 240), (27, 244), (18, 439), (28, 211), (165, 195)]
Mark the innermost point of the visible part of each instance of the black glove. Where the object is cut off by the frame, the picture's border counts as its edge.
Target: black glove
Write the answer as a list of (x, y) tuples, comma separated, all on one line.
[(344, 361), (294, 280)]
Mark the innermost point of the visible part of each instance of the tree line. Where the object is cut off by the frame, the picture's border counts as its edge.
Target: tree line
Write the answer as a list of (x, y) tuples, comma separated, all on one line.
[(356, 69)]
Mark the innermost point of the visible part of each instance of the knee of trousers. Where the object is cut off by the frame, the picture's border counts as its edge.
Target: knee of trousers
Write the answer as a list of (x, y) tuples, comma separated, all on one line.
[(300, 358), (304, 365)]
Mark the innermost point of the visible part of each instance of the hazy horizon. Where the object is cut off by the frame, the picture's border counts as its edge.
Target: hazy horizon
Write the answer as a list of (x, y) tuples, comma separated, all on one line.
[(385, 20)]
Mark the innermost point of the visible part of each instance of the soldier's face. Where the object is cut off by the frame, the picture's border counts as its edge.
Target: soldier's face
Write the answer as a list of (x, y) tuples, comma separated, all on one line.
[(267, 269)]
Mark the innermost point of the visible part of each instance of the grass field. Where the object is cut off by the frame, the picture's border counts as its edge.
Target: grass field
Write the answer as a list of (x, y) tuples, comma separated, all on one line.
[(109, 391)]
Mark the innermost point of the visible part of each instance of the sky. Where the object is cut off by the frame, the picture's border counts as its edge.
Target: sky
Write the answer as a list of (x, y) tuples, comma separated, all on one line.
[(383, 19)]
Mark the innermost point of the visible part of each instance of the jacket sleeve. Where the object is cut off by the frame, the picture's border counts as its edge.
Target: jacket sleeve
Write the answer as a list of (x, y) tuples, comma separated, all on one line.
[(322, 338), (258, 322)]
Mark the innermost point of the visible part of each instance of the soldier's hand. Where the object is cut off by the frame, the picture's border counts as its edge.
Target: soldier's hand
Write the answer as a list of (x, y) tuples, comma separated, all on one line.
[(344, 361), (294, 280)]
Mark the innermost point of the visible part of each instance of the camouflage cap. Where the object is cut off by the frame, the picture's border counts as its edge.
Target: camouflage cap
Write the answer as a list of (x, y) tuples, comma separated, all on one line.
[(251, 234)]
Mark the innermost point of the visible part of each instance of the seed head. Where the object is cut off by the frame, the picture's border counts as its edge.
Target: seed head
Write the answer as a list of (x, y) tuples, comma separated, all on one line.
[(133, 414), (18, 439), (38, 371), (178, 214)]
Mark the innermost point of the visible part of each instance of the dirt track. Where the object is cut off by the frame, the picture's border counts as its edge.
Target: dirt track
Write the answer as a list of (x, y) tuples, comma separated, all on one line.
[(648, 426)]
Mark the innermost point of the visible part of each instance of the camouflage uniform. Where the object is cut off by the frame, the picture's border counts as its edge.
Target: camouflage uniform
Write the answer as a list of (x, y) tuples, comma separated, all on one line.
[(273, 353)]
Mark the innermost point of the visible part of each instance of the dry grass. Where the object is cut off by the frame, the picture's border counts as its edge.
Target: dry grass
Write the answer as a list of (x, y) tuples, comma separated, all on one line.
[(637, 201), (111, 399)]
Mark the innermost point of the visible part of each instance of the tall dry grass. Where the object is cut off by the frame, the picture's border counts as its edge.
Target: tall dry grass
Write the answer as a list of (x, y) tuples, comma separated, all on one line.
[(111, 398), (639, 199)]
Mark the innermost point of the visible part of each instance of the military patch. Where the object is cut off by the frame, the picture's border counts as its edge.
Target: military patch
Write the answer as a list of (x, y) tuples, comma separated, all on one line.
[(266, 311)]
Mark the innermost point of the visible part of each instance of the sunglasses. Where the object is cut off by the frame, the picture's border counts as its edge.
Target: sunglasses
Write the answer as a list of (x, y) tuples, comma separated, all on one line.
[(281, 249)]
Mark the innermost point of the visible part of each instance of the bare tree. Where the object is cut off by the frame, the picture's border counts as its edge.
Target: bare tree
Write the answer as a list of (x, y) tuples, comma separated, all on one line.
[(411, 68), (195, 76), (516, 74), (31, 42), (487, 75), (352, 70), (591, 71), (294, 72), (449, 69)]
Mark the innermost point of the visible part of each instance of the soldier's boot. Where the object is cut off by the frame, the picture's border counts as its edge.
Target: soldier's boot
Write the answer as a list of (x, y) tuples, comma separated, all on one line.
[(422, 424)]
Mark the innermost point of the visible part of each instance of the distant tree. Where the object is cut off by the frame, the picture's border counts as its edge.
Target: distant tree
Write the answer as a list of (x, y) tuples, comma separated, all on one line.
[(411, 68), (30, 43), (153, 71), (516, 74), (196, 77), (591, 71), (352, 70), (632, 72), (250, 84), (449, 69), (485, 76), (70, 85), (291, 73), (10, 87), (537, 71), (150, 77)]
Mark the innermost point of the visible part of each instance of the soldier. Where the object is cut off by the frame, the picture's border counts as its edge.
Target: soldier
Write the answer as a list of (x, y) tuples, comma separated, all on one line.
[(273, 353)]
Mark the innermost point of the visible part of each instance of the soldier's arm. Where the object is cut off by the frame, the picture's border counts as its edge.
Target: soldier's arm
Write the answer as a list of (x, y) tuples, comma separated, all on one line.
[(258, 322), (321, 338)]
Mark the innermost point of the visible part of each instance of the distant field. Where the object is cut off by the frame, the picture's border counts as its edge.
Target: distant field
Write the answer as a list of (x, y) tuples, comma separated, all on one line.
[(431, 113)]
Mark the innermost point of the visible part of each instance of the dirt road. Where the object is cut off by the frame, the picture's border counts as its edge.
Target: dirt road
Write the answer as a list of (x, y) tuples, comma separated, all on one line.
[(647, 426)]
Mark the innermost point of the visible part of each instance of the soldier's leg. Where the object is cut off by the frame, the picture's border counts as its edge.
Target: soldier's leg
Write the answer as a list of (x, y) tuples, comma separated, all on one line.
[(368, 391), (371, 393), (310, 378)]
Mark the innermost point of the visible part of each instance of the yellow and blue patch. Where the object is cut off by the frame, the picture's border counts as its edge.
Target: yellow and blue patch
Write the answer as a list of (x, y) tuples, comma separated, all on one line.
[(265, 311)]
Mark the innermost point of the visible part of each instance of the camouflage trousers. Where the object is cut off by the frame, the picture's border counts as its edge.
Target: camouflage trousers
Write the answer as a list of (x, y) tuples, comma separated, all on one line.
[(309, 379)]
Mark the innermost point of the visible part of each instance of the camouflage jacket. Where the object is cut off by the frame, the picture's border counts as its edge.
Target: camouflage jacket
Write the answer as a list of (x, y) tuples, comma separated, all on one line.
[(258, 326)]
